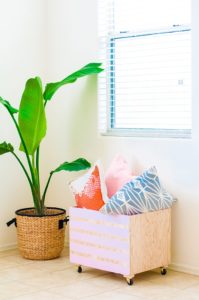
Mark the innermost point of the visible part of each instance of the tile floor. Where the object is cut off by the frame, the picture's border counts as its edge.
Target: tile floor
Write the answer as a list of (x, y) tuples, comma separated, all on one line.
[(57, 279)]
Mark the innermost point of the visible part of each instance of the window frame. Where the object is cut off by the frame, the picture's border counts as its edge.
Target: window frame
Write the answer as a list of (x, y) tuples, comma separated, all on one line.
[(110, 86)]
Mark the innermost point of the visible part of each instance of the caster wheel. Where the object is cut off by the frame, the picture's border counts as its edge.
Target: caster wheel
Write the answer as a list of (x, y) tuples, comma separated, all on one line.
[(79, 269), (129, 281), (163, 271)]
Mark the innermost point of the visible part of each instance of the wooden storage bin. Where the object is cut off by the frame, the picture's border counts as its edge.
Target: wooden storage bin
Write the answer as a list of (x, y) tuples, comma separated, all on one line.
[(127, 245)]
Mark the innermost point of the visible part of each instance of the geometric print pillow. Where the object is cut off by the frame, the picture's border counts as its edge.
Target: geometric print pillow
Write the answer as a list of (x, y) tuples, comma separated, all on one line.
[(143, 194)]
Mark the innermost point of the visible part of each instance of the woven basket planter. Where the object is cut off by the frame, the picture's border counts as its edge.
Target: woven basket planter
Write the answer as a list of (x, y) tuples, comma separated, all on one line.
[(40, 237)]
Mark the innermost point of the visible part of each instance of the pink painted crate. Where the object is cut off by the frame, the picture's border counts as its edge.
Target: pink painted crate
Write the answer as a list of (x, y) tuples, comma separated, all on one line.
[(121, 244)]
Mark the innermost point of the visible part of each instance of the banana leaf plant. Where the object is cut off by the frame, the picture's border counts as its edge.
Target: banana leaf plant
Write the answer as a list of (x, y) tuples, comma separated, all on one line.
[(31, 125)]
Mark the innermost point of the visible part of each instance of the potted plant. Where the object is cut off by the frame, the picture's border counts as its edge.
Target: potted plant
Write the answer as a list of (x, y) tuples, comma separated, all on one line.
[(40, 229)]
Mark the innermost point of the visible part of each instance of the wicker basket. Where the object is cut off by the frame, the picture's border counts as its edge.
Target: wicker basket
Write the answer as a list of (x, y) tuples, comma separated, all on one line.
[(41, 237)]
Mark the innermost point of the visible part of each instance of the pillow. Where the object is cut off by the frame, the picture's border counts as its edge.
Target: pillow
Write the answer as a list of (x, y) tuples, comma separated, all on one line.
[(117, 175), (143, 194), (89, 190)]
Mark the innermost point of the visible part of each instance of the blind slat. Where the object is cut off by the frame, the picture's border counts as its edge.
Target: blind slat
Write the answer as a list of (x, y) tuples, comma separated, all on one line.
[(147, 79)]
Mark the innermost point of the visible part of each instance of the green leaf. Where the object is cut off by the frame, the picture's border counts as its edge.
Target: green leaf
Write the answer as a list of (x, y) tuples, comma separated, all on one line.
[(11, 109), (51, 88), (32, 118), (76, 165), (5, 148)]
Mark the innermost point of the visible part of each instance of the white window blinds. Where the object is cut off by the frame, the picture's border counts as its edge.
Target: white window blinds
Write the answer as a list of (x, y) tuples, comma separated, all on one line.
[(146, 50)]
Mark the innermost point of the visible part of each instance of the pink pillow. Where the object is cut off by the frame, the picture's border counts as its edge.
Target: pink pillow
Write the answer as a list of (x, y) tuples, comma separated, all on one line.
[(117, 175)]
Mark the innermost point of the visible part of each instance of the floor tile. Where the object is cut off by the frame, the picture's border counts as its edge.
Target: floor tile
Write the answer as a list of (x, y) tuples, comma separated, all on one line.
[(191, 293), (175, 279), (148, 290), (12, 289), (57, 264), (116, 295), (17, 258), (109, 280), (20, 272), (22, 279), (41, 296), (78, 290), (6, 263)]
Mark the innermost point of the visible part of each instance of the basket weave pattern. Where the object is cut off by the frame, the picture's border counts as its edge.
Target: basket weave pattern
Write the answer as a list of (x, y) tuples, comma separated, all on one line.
[(40, 238)]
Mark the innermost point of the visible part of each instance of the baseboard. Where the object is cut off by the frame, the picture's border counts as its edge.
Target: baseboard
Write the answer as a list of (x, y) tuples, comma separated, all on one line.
[(184, 268), (8, 247)]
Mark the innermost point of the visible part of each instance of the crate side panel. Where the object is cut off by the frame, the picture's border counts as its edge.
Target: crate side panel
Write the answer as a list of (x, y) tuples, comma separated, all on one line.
[(100, 241), (150, 240)]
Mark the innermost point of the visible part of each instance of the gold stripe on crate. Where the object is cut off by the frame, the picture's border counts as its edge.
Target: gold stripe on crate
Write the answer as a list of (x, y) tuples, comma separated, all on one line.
[(102, 235), (97, 246), (81, 254), (100, 258), (100, 222)]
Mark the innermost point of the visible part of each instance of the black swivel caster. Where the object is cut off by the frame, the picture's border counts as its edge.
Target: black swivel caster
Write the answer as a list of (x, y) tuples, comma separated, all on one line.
[(129, 281), (164, 271), (79, 269)]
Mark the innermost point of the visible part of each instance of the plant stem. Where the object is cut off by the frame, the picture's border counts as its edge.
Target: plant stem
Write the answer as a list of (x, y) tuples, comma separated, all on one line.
[(34, 188), (33, 162), (29, 180), (37, 185), (37, 164), (45, 190)]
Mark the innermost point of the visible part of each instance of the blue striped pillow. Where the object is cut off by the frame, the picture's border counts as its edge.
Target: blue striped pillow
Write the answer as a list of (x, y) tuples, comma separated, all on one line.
[(143, 194)]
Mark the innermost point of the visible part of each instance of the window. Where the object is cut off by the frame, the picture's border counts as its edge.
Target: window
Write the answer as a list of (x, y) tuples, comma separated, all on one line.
[(145, 46)]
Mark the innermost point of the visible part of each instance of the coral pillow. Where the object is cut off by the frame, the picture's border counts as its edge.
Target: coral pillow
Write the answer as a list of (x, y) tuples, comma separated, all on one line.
[(89, 190), (117, 175)]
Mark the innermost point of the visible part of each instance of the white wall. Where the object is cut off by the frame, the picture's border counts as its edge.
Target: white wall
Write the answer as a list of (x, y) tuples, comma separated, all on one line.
[(72, 129), (22, 28), (73, 43)]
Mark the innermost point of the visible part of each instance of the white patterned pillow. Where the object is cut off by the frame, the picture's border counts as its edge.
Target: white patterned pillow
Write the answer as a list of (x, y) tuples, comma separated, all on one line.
[(89, 190), (143, 194)]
